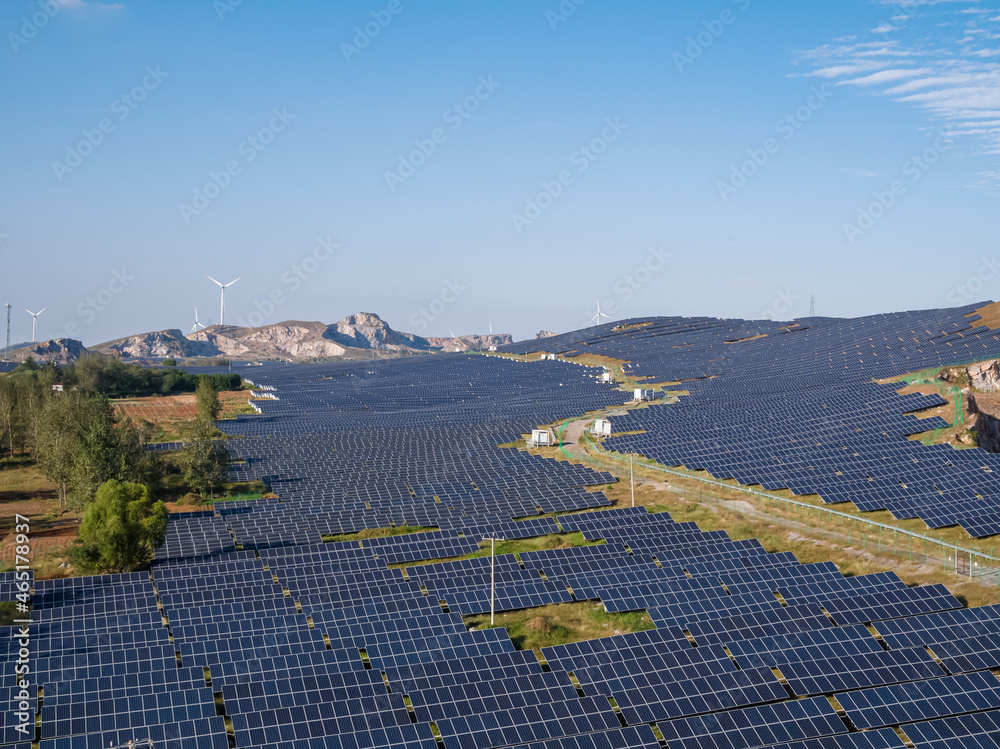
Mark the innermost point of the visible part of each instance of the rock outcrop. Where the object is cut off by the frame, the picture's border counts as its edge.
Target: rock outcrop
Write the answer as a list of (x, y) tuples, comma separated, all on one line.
[(544, 334), (367, 330), (353, 337), (57, 351), (470, 342), (985, 376)]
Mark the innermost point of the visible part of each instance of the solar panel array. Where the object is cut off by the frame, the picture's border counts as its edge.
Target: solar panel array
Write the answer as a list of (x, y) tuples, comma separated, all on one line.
[(797, 406), (251, 632), (327, 645)]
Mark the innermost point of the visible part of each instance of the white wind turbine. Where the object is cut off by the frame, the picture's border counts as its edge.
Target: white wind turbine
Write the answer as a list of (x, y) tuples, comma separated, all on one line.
[(34, 321), (599, 314), (197, 325), (223, 286)]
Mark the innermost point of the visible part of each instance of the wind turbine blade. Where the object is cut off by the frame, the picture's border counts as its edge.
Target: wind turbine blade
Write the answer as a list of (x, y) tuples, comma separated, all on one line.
[(232, 282), (212, 280), (42, 310)]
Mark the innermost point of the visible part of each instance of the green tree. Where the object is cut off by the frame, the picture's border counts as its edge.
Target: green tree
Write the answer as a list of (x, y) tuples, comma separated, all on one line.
[(204, 462), (121, 528), (208, 400), (62, 422), (108, 450), (169, 362)]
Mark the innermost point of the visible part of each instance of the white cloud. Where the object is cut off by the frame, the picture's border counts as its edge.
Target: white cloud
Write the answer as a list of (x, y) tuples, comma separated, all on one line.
[(938, 60)]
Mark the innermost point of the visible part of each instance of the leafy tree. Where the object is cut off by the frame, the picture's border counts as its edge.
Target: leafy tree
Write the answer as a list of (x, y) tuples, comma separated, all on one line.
[(204, 462), (109, 450), (208, 400), (8, 414), (169, 362), (63, 420), (121, 528)]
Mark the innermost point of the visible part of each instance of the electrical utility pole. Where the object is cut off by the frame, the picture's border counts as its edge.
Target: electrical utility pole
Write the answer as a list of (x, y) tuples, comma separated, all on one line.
[(7, 354), (631, 479)]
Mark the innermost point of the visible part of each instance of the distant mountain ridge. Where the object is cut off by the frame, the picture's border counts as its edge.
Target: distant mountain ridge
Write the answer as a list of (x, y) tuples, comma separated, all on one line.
[(356, 336)]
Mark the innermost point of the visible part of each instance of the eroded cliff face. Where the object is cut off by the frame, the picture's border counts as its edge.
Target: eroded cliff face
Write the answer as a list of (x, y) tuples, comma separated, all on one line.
[(985, 376), (57, 351)]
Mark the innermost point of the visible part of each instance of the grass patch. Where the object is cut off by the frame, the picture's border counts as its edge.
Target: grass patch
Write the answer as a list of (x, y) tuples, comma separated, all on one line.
[(561, 623), (516, 546), (401, 530), (8, 613), (239, 497)]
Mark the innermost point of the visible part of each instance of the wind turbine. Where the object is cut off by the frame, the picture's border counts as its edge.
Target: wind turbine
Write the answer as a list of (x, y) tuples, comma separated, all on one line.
[(197, 325), (223, 286), (599, 314), (34, 321)]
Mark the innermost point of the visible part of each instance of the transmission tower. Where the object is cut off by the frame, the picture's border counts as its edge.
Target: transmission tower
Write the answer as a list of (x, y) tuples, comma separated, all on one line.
[(812, 307)]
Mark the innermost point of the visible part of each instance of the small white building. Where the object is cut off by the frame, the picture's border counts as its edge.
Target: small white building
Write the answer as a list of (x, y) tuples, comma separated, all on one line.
[(642, 395), (606, 377), (493, 348), (602, 427), (542, 438)]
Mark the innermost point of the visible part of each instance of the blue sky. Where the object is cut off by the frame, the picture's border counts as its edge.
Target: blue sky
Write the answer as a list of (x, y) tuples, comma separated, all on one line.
[(508, 162)]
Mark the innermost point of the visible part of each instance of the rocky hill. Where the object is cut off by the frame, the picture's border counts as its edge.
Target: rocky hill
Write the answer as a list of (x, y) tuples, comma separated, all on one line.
[(544, 334), (58, 351), (470, 342), (355, 336)]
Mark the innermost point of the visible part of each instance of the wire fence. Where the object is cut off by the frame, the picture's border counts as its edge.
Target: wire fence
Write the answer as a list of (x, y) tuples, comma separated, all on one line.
[(868, 535)]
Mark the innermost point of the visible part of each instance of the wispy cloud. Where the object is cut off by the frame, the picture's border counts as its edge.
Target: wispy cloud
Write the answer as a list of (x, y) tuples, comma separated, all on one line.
[(79, 5), (936, 55), (855, 172)]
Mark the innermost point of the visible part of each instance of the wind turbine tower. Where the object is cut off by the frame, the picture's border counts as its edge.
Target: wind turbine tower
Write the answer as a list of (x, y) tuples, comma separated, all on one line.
[(34, 322), (597, 318), (197, 325), (223, 286), (7, 354)]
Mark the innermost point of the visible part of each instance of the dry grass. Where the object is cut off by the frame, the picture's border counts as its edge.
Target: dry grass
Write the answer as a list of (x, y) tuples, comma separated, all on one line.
[(169, 414), (560, 623), (683, 506), (990, 314)]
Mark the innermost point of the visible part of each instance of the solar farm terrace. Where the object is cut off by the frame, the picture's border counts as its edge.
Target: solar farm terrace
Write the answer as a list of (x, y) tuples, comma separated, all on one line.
[(249, 631), (797, 407)]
